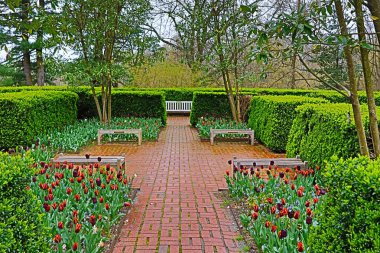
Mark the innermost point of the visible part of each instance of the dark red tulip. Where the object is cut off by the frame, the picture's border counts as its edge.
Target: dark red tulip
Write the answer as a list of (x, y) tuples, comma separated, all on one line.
[(308, 211), (69, 191), (270, 200), (256, 208), (77, 197), (75, 213), (75, 246), (297, 215), (283, 201), (54, 205), (92, 220), (127, 204), (292, 186), (94, 200), (274, 228), (309, 220), (273, 209), (279, 206), (307, 203), (98, 182), (107, 206), (315, 200), (60, 225), (255, 215), (290, 214), (267, 224)]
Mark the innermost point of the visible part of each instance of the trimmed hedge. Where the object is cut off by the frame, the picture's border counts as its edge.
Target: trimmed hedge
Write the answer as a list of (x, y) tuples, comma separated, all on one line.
[(21, 221), (209, 104), (350, 214), (146, 104), (271, 118), (321, 131), (26, 114)]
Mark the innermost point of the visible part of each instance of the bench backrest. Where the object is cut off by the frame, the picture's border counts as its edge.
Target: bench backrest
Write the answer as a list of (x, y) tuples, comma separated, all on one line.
[(178, 106)]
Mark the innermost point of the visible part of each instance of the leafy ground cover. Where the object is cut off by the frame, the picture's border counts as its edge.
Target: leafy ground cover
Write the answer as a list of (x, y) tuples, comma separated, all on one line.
[(204, 125), (277, 206), (83, 132)]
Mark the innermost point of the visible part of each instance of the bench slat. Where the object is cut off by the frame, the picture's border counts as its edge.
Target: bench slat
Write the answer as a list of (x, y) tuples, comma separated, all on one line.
[(137, 132), (214, 132)]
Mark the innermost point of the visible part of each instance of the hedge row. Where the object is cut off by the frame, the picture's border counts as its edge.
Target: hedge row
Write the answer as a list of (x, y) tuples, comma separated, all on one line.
[(350, 214), (271, 118), (21, 221), (321, 131), (209, 104), (24, 115)]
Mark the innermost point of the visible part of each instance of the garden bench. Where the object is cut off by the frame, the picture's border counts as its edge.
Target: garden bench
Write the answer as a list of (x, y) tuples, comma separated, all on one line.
[(214, 132), (137, 132), (178, 106), (282, 162), (118, 161)]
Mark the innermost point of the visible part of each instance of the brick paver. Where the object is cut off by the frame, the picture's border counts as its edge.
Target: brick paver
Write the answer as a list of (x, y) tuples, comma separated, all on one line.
[(176, 209)]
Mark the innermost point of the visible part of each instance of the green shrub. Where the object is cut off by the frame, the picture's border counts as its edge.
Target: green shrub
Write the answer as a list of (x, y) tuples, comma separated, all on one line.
[(146, 104), (22, 226), (271, 118), (321, 131), (26, 114), (209, 104), (350, 215)]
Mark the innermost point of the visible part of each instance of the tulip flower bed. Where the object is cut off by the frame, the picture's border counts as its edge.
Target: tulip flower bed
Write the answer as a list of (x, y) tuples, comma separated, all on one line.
[(278, 206), (205, 123), (81, 203), (75, 136)]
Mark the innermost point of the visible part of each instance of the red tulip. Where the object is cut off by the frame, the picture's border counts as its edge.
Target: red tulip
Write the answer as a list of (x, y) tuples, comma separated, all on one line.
[(315, 200), (270, 200), (227, 172), (60, 225), (57, 238), (307, 203), (75, 246), (77, 197), (256, 208), (96, 192), (297, 215), (267, 224), (92, 220), (316, 187), (309, 220), (308, 211), (127, 204), (274, 228), (300, 247), (101, 199), (85, 190), (107, 206), (292, 186), (255, 215), (273, 209), (299, 193), (78, 227)]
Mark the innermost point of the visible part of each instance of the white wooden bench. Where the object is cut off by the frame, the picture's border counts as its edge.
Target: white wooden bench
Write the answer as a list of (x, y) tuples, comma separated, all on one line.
[(281, 162), (118, 161), (137, 132), (178, 106), (214, 132)]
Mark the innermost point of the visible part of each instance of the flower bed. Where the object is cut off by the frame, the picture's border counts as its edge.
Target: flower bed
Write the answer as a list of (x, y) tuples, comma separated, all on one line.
[(205, 123), (278, 206), (81, 203), (75, 136)]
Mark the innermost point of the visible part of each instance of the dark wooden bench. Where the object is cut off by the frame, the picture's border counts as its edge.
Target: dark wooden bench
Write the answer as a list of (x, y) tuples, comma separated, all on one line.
[(137, 132), (117, 161), (281, 162), (214, 132)]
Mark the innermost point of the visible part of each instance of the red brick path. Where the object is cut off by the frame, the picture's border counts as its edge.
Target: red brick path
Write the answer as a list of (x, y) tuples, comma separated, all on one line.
[(176, 209)]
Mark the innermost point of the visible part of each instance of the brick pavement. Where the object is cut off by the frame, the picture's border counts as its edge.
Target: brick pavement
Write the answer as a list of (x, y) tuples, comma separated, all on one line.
[(176, 209)]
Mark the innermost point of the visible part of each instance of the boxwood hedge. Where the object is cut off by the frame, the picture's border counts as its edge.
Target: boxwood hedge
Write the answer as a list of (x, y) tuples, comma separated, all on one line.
[(321, 131), (350, 215), (26, 114), (271, 118), (21, 221)]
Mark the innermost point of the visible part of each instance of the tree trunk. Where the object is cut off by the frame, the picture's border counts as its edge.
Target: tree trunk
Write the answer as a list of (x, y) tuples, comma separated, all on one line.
[(98, 109), (358, 4), (39, 57), (353, 83), (26, 63), (374, 8)]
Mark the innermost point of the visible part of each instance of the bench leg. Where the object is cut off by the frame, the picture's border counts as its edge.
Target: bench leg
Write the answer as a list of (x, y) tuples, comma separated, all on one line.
[(252, 139), (99, 138), (212, 139), (140, 138)]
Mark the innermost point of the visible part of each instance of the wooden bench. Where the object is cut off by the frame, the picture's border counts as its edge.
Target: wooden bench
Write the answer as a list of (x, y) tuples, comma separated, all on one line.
[(118, 161), (137, 132), (214, 132), (281, 162)]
